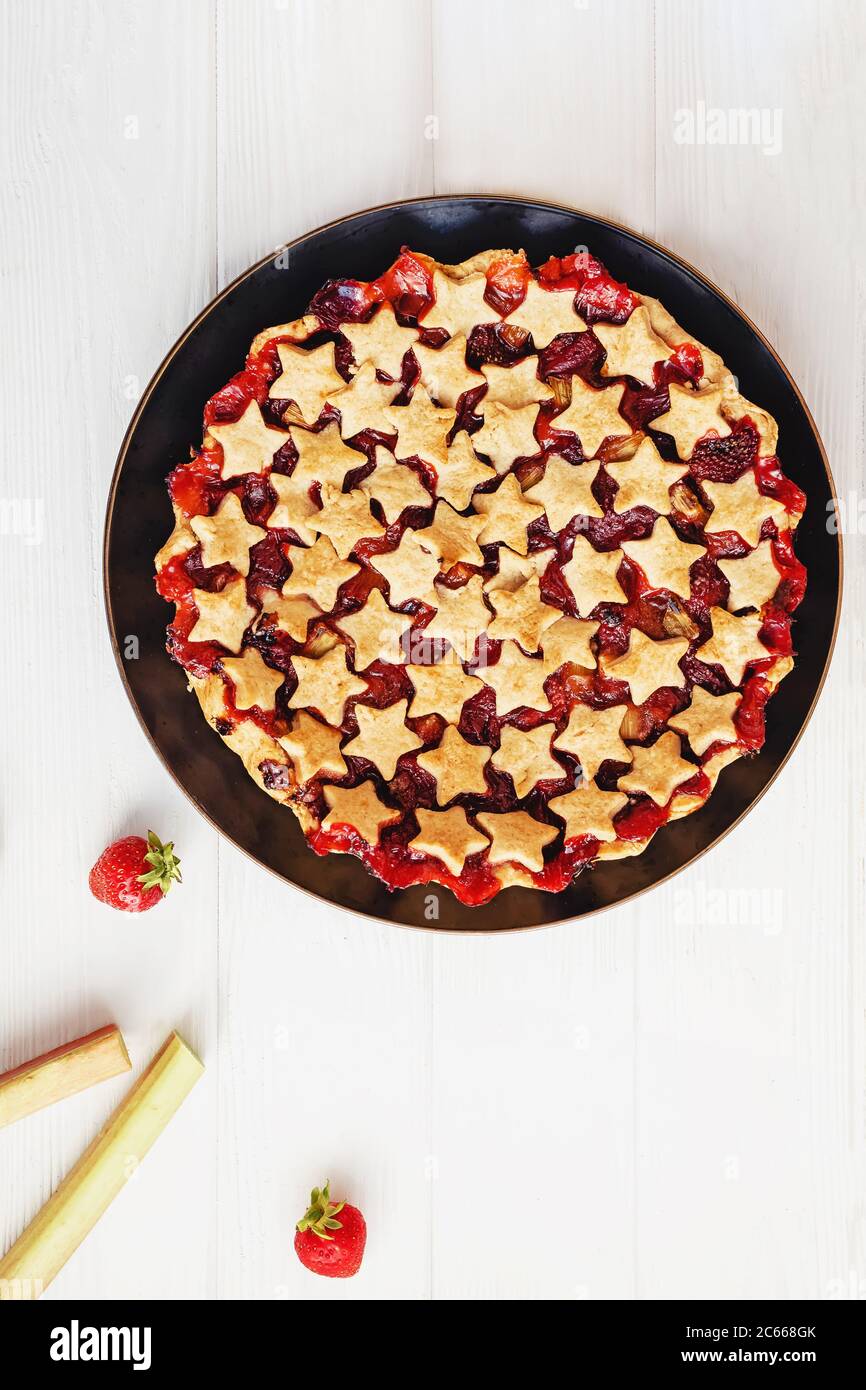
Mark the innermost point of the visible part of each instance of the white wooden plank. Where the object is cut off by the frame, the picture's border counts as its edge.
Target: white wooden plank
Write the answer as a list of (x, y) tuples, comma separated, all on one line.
[(750, 987), (554, 101), (322, 110), (533, 1142), (325, 1021), (533, 1049), (101, 167)]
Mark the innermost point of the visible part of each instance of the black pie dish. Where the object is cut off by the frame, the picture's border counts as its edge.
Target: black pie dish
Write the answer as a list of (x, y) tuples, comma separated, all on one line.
[(168, 421)]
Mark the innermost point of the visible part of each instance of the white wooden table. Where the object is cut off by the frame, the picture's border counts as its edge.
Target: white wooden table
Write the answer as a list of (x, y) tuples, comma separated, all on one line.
[(667, 1100)]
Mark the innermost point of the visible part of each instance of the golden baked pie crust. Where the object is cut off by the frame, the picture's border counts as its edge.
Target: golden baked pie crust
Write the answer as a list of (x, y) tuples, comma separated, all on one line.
[(471, 567)]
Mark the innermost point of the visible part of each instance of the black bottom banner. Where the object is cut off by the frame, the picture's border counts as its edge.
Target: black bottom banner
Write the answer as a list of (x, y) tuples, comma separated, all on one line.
[(79, 1339)]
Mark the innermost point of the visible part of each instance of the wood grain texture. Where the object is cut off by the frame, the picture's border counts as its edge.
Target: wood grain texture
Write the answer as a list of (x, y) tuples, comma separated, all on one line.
[(751, 996), (534, 1036), (289, 161), (325, 1018), (682, 1078), (533, 106), (102, 167)]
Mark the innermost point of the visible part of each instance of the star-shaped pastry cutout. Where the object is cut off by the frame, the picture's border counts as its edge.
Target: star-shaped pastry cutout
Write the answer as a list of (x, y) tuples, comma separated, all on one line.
[(461, 472), (568, 640), (742, 508), (593, 735), (382, 341), (461, 616), (754, 579), (291, 615), (383, 737), (459, 304), (546, 313), (525, 755), (313, 747), (323, 457), (395, 486), (226, 536), (647, 666), (452, 538), (506, 434), (518, 680), (375, 632), (325, 683), (658, 770), (565, 491), (317, 573), (254, 681), (363, 402), (516, 386), (458, 766), (294, 507), (309, 378), (248, 444), (664, 558), (514, 570), (180, 542), (593, 415), (522, 615), (345, 519), (422, 428), (589, 811), (517, 838), (409, 570), (223, 617), (441, 689), (692, 414), (448, 836), (707, 720), (633, 348), (591, 576), (733, 644), (444, 372), (507, 513), (360, 809), (645, 479)]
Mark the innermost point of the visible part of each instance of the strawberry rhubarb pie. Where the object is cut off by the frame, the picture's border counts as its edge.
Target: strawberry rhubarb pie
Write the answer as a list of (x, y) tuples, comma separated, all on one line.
[(486, 572)]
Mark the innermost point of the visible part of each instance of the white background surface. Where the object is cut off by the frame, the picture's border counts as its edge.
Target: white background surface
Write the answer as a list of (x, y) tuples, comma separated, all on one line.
[(665, 1101)]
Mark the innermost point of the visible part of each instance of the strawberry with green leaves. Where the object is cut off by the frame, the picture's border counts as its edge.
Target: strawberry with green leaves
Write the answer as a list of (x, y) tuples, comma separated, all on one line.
[(133, 874), (331, 1236)]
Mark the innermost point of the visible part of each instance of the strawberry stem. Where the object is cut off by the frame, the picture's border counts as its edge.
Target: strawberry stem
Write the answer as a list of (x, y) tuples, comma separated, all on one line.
[(164, 864), (320, 1214)]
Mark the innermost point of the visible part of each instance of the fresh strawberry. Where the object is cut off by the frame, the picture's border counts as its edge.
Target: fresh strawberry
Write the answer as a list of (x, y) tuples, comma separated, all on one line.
[(328, 1246), (134, 874)]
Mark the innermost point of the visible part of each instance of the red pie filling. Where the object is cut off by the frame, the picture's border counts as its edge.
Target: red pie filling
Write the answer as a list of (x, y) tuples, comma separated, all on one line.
[(196, 487)]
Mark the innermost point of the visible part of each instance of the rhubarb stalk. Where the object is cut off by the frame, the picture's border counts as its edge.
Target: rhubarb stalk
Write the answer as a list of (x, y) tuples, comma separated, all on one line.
[(62, 1072), (74, 1209)]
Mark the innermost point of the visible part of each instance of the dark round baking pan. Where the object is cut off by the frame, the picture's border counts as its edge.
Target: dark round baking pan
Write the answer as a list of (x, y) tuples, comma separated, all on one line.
[(168, 421)]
